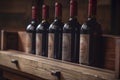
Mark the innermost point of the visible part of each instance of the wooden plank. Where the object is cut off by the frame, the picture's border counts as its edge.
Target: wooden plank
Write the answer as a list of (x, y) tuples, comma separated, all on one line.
[(1, 72), (9, 40), (42, 67), (13, 6), (117, 59), (15, 14), (20, 73), (109, 50), (13, 76), (25, 65), (10, 37), (3, 40), (21, 40)]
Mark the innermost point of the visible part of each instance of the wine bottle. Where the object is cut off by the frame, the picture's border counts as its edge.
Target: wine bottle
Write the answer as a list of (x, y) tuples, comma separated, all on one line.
[(71, 32), (90, 38), (55, 34), (42, 33), (31, 33)]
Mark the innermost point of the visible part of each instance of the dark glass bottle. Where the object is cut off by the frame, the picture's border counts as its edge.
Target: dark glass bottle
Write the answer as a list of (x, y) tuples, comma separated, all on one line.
[(90, 38), (55, 34), (31, 33), (42, 33), (71, 32)]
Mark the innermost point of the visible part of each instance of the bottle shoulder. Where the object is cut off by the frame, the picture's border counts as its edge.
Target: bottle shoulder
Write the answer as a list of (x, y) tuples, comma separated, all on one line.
[(72, 24), (85, 27), (91, 26), (43, 26), (31, 27), (56, 24)]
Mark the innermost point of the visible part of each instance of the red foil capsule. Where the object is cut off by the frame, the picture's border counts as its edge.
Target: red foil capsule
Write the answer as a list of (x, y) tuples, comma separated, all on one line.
[(73, 8), (34, 12), (45, 11), (58, 9), (92, 8)]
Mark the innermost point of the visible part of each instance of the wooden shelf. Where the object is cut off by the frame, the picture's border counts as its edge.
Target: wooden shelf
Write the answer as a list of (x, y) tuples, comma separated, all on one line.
[(15, 15), (43, 67)]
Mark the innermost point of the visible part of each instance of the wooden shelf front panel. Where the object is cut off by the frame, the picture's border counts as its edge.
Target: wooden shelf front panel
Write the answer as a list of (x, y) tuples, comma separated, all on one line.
[(108, 47), (42, 67)]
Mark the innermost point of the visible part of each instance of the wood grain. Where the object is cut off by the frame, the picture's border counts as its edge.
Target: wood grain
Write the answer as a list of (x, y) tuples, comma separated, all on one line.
[(9, 40), (12, 76), (42, 67), (21, 40), (117, 59), (108, 46)]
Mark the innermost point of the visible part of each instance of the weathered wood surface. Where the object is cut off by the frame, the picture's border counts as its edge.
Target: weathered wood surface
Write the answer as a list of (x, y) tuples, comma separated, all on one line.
[(42, 67), (9, 40), (109, 46), (12, 76), (117, 59), (13, 40), (6, 72)]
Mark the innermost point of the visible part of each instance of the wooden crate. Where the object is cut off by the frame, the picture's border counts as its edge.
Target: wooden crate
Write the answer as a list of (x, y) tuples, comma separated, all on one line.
[(44, 67), (110, 48)]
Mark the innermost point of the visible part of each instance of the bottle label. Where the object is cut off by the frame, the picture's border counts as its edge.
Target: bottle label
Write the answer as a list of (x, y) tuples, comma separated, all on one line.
[(29, 42), (38, 43), (84, 49), (51, 38), (66, 47)]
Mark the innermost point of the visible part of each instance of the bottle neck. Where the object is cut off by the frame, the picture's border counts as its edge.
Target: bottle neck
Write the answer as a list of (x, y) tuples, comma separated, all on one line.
[(45, 12), (34, 12), (58, 18), (91, 17), (73, 18), (92, 8), (73, 8), (44, 20), (58, 11)]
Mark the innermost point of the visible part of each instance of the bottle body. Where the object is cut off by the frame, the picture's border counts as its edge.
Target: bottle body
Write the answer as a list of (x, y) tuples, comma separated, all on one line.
[(31, 34), (42, 38), (55, 40), (70, 43), (90, 38)]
